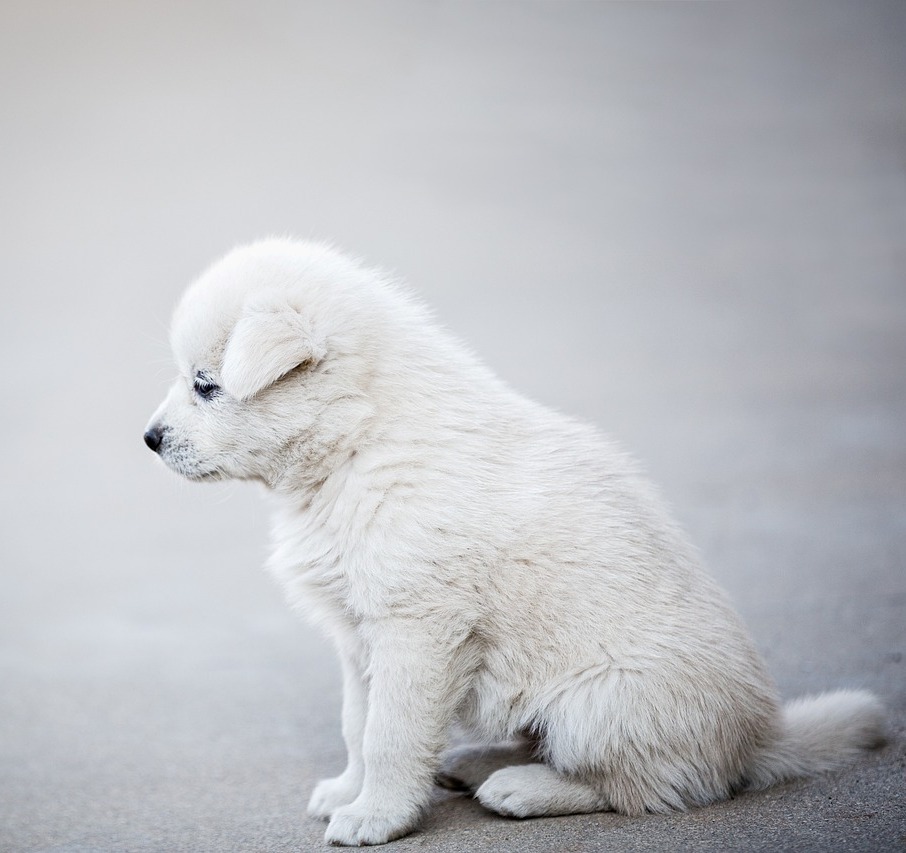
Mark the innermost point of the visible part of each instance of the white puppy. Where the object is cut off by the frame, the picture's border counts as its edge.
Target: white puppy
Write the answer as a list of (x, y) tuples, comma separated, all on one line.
[(477, 558)]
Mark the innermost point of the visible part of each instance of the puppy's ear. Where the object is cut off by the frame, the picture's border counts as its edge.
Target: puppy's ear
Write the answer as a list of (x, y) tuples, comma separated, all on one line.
[(266, 343)]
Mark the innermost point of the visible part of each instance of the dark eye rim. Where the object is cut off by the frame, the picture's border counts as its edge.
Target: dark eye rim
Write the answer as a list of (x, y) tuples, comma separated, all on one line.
[(204, 388)]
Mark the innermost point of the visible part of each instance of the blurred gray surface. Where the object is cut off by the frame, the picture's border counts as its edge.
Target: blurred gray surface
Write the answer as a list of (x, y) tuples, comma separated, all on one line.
[(685, 222)]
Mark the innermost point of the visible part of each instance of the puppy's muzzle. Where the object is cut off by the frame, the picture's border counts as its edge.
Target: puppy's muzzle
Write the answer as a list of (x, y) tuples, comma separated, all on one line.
[(154, 437)]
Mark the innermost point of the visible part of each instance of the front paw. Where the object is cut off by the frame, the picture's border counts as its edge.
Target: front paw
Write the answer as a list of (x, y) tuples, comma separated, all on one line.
[(355, 825), (330, 794)]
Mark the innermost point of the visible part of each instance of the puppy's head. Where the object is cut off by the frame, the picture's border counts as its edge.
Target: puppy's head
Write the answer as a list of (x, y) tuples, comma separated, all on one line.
[(250, 342)]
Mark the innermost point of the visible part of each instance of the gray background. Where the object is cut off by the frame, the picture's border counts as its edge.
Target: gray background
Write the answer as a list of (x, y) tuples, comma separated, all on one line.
[(684, 222)]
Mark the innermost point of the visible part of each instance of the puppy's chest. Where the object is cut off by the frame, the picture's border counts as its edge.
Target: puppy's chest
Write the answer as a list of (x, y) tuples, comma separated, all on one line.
[(322, 569)]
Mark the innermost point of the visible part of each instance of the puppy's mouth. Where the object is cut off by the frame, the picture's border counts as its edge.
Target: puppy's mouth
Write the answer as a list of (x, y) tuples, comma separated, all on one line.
[(191, 472), (202, 476)]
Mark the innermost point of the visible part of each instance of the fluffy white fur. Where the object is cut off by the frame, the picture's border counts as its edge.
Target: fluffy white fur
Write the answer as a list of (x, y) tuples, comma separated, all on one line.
[(478, 559)]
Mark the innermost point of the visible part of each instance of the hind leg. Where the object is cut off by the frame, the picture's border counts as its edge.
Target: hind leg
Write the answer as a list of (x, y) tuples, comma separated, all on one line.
[(536, 790), (467, 767)]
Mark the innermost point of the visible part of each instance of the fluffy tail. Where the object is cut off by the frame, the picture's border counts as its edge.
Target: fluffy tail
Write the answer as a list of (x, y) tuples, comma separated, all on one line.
[(820, 733)]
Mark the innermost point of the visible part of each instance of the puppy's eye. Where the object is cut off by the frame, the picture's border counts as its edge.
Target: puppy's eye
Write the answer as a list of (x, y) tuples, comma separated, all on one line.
[(204, 388)]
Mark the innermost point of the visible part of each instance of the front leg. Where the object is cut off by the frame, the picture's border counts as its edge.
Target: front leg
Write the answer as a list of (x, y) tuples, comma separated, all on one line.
[(329, 794), (413, 691)]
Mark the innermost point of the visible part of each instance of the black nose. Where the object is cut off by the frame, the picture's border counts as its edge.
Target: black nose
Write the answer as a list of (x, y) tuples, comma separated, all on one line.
[(154, 436)]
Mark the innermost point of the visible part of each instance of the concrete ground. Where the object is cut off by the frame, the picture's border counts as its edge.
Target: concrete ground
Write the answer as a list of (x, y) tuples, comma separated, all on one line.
[(685, 222)]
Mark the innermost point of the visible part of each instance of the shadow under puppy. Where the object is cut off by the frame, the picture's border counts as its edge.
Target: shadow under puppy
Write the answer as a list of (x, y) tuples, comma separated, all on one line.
[(477, 559)]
